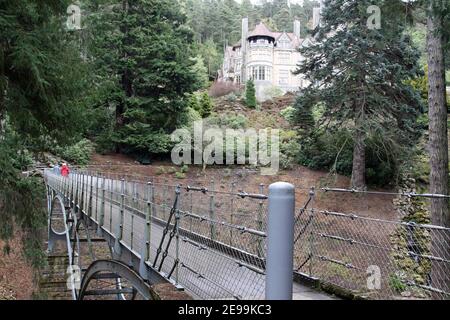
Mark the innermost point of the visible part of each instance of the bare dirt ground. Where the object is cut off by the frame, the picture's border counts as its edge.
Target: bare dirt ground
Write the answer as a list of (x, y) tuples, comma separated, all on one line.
[(16, 273), (249, 180)]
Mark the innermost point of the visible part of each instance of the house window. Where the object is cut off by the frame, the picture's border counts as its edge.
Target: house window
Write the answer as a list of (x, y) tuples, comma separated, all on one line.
[(284, 57), (284, 77), (260, 73)]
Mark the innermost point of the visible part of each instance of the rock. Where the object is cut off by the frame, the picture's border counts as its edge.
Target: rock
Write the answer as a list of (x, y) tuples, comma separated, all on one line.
[(406, 294)]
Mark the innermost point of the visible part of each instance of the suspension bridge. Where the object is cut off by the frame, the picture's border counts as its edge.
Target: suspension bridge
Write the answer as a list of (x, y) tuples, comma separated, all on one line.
[(123, 237), (138, 239)]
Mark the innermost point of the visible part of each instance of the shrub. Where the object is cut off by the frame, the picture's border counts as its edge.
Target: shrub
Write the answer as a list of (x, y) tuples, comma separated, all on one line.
[(171, 170), (206, 105), (188, 118), (180, 175), (273, 92), (334, 151), (194, 103), (220, 89), (160, 170), (235, 121), (289, 114), (79, 153), (250, 94), (184, 169)]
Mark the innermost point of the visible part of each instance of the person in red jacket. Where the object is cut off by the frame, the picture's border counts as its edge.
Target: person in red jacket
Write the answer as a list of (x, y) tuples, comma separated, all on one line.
[(65, 170)]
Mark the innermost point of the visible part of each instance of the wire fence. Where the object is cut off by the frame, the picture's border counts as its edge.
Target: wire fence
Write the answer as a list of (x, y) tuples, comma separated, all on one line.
[(211, 238), (209, 241), (374, 258)]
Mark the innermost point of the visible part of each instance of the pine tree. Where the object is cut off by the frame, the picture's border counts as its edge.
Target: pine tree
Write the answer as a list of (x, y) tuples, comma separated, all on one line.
[(146, 46), (41, 73), (206, 105), (358, 75), (250, 94)]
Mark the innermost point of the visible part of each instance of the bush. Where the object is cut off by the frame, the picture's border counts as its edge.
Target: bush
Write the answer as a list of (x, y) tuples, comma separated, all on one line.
[(180, 175), (188, 118), (184, 169), (160, 170), (79, 153), (250, 94), (273, 92), (194, 103), (334, 151), (289, 114), (235, 121), (220, 89), (171, 170)]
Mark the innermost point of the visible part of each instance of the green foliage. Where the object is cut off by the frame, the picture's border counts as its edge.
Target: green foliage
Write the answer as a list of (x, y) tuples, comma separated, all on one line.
[(160, 170), (78, 153), (273, 92), (189, 117), (194, 103), (334, 151), (171, 170), (184, 169), (201, 72), (250, 94), (375, 101), (206, 105), (290, 149), (20, 199), (152, 66), (289, 114), (180, 175)]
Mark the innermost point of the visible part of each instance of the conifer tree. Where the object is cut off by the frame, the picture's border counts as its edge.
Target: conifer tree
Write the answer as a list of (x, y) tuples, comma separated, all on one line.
[(206, 105), (358, 75), (146, 46), (250, 94)]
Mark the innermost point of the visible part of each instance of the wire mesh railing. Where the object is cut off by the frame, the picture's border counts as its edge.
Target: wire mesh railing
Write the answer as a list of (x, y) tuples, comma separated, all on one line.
[(211, 242), (211, 238), (404, 257)]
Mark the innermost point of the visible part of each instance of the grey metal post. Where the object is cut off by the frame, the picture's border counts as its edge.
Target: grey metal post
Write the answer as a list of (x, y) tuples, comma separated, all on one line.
[(111, 194), (102, 209), (211, 212), (97, 176), (233, 189), (145, 254), (259, 222), (280, 242), (119, 228)]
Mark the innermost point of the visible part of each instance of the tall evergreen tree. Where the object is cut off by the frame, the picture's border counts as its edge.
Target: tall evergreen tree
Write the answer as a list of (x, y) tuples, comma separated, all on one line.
[(41, 73), (146, 47), (358, 75)]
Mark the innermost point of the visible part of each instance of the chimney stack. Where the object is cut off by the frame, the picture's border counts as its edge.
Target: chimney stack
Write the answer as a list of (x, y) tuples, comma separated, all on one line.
[(297, 28), (244, 50), (316, 17)]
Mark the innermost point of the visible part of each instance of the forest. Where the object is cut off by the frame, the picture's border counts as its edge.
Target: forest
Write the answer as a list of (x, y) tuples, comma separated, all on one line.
[(130, 72)]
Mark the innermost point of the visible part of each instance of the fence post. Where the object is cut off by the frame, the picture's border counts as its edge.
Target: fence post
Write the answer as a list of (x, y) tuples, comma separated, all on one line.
[(102, 208), (280, 242), (119, 228), (212, 214)]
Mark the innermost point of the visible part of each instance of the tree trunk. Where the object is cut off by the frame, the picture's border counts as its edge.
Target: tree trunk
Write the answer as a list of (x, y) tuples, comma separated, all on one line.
[(438, 148), (438, 143), (125, 80), (359, 153)]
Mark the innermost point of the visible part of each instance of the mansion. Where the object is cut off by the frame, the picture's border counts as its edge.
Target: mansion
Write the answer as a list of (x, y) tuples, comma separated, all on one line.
[(266, 57)]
